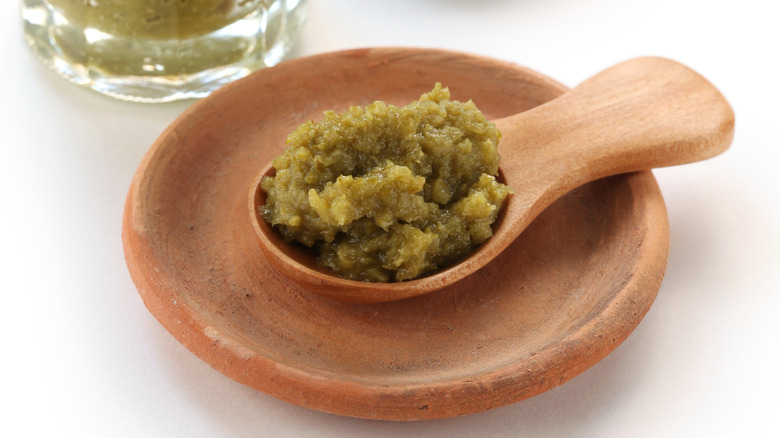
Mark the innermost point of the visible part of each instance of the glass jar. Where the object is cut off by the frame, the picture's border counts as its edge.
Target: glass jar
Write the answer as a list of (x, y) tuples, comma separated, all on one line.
[(160, 50)]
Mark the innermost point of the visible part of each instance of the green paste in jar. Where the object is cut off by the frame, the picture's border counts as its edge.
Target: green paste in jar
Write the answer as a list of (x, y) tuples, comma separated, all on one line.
[(157, 19), (386, 193)]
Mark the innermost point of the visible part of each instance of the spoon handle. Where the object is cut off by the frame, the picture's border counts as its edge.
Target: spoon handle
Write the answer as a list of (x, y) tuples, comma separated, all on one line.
[(641, 114)]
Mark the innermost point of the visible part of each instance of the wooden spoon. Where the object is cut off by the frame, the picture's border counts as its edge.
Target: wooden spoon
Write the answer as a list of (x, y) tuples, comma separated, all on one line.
[(641, 114)]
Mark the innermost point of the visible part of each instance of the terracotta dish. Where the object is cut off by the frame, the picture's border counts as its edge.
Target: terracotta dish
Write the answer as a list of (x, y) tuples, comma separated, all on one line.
[(570, 289)]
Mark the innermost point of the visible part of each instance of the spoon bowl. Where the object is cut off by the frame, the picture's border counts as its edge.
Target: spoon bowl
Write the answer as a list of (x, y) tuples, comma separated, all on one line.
[(299, 264), (641, 114)]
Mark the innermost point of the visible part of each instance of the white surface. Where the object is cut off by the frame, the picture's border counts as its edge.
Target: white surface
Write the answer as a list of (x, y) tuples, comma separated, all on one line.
[(81, 355)]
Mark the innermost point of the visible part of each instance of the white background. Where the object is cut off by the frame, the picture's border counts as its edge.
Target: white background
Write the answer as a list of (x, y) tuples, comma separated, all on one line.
[(81, 355)]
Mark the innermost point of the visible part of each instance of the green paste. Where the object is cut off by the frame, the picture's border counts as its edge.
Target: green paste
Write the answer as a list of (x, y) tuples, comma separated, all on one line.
[(156, 19), (384, 193)]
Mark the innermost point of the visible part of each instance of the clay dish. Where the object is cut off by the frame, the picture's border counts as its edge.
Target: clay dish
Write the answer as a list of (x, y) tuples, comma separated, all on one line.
[(562, 296)]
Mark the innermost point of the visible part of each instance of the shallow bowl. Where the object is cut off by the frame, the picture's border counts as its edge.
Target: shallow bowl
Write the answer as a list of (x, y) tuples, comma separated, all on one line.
[(562, 297)]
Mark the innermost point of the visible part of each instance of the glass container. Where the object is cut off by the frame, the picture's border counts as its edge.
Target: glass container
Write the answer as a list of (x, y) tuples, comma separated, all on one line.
[(160, 50)]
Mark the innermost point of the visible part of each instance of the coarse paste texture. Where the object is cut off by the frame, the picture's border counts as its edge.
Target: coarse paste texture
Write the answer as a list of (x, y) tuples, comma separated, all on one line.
[(386, 193), (156, 18)]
